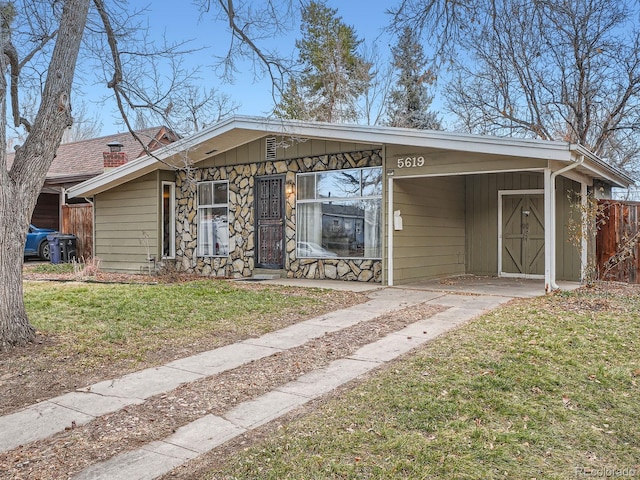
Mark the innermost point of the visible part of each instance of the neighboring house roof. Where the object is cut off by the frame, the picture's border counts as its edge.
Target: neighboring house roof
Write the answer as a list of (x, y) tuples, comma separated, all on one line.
[(78, 161), (240, 130)]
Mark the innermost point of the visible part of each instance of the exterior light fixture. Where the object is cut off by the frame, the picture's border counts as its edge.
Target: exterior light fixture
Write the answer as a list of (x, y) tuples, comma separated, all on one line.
[(290, 187)]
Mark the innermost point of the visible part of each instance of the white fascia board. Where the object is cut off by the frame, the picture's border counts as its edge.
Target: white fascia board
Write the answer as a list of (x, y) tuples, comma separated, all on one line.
[(377, 135), (616, 180), (600, 169), (529, 148), (143, 165), (129, 171)]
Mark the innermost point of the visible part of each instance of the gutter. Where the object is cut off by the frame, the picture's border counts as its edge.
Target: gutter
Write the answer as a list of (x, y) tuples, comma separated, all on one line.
[(623, 180)]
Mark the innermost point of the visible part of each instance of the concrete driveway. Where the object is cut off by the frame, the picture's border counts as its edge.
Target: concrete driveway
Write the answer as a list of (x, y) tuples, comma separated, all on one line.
[(478, 285), (465, 284)]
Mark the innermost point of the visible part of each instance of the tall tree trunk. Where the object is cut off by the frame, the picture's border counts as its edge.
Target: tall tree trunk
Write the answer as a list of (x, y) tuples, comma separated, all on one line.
[(21, 185), (14, 324)]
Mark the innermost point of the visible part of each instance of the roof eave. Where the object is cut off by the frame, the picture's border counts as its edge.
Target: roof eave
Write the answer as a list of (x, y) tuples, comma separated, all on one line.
[(169, 155), (601, 169), (107, 180), (542, 149)]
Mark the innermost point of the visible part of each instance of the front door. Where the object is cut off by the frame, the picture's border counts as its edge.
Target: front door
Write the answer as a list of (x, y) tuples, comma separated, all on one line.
[(270, 221), (523, 235)]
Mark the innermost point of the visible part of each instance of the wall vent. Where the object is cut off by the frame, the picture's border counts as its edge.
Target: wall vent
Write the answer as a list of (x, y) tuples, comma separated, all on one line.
[(271, 148)]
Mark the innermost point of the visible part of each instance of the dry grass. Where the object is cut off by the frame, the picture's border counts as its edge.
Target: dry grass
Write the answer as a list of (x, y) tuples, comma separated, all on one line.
[(544, 388), (89, 332)]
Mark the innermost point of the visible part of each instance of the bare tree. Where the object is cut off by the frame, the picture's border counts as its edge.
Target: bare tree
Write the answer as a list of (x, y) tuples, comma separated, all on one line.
[(375, 97), (252, 25), (85, 125), (194, 108), (21, 184), (42, 44), (551, 69)]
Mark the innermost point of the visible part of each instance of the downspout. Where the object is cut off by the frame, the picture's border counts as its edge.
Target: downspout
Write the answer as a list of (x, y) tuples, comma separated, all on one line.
[(579, 161)]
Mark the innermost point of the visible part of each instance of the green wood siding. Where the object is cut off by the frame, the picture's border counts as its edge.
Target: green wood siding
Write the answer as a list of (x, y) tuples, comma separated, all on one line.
[(482, 221), (431, 243), (568, 265), (482, 216), (455, 163), (297, 148), (122, 215)]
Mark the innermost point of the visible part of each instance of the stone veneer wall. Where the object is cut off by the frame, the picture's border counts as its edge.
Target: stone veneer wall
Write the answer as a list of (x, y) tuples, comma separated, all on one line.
[(241, 259)]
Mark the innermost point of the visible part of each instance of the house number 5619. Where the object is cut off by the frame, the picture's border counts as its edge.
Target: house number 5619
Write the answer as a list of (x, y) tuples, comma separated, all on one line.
[(410, 162)]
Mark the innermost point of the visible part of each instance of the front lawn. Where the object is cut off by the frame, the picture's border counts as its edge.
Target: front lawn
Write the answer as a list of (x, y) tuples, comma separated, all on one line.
[(89, 332), (546, 388), (108, 322)]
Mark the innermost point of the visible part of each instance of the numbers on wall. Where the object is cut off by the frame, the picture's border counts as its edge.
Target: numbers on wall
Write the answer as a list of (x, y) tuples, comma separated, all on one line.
[(411, 162)]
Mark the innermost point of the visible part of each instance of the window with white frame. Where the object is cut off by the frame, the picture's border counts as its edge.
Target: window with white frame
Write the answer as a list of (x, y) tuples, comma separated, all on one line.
[(339, 213), (213, 219), (168, 220)]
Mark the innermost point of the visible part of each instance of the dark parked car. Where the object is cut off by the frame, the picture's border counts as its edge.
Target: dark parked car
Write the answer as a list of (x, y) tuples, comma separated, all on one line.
[(37, 244)]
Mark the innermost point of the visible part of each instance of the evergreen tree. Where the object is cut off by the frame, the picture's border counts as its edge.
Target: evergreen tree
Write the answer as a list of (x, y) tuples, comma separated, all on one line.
[(409, 100), (292, 103), (333, 75)]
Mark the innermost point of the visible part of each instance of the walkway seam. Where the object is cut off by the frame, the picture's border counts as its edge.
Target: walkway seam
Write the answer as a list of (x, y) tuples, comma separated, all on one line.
[(79, 407), (286, 398)]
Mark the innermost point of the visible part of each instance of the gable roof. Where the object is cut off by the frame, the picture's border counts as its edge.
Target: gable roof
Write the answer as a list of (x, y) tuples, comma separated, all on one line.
[(240, 130), (77, 161)]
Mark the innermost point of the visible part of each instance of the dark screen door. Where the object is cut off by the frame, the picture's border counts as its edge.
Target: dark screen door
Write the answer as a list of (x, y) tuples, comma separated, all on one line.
[(270, 221)]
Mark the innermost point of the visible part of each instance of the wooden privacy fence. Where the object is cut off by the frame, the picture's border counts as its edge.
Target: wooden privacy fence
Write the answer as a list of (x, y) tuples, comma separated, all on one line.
[(78, 220), (617, 250)]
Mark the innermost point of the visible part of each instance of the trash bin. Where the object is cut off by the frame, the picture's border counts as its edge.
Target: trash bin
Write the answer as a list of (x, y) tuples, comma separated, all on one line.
[(54, 247), (68, 246)]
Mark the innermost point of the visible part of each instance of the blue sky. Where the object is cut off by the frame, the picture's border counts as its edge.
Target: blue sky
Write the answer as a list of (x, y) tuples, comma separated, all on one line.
[(254, 96)]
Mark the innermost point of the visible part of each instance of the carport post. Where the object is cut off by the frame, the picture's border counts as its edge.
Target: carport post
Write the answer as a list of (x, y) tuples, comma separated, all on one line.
[(390, 232), (584, 258), (549, 220)]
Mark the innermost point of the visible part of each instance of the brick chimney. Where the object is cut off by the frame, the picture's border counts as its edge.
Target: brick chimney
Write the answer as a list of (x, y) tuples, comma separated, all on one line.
[(115, 156)]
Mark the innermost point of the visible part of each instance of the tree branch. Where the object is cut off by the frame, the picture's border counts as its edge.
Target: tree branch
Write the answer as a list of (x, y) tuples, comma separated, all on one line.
[(113, 44)]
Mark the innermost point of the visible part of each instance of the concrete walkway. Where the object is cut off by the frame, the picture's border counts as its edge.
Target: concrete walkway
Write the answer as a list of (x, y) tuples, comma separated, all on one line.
[(154, 459)]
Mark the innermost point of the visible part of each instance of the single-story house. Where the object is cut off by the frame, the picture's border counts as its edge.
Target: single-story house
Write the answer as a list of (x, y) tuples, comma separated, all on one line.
[(350, 202)]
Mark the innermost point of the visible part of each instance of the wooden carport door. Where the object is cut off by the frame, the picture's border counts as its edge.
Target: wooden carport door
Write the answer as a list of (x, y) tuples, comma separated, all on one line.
[(270, 221), (523, 235)]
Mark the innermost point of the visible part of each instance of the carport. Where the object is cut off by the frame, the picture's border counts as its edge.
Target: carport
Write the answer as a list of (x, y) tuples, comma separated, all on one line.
[(486, 285), (493, 208)]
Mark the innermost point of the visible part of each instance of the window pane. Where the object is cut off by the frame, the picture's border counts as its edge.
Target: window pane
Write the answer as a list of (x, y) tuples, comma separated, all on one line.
[(205, 193), (168, 240), (220, 193), (336, 226), (372, 228), (339, 229), (372, 182), (213, 232), (306, 187), (309, 218), (343, 228), (339, 184)]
